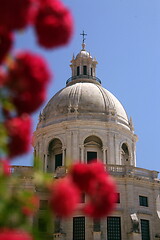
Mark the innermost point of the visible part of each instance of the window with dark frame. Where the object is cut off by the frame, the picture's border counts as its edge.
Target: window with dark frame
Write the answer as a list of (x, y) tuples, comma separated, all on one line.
[(143, 201), (42, 225), (84, 70), (91, 156), (113, 228), (145, 229), (79, 228), (91, 71), (78, 71), (118, 198), (58, 160)]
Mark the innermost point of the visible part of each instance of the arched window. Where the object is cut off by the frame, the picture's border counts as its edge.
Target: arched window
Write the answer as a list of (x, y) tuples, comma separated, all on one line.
[(91, 72), (93, 148), (124, 154), (54, 155), (84, 70)]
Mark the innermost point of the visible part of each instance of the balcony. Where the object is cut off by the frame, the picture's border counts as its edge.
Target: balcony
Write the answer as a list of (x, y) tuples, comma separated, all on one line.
[(22, 171), (83, 77), (121, 170), (114, 170)]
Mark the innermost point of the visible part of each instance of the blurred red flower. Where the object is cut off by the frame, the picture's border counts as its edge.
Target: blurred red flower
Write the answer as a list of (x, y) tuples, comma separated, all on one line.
[(2, 79), (102, 199), (15, 15), (31, 205), (6, 41), (28, 102), (85, 175), (19, 133), (64, 197), (5, 168), (27, 79), (99, 186), (53, 24), (13, 234)]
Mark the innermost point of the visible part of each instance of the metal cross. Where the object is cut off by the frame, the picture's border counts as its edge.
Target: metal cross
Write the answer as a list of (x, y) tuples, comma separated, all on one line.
[(83, 34)]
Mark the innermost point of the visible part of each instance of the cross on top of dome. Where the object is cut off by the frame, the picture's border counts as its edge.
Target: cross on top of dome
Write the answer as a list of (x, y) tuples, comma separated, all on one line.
[(83, 43)]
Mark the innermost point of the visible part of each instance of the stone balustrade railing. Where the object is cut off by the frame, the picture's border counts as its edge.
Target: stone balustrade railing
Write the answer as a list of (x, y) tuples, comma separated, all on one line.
[(115, 170), (22, 171), (121, 170)]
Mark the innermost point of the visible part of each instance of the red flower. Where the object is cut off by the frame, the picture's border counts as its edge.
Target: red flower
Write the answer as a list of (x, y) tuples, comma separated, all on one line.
[(2, 79), (53, 24), (27, 80), (15, 15), (31, 205), (85, 175), (5, 168), (103, 198), (19, 132), (13, 234), (28, 101), (99, 186), (64, 197), (6, 39)]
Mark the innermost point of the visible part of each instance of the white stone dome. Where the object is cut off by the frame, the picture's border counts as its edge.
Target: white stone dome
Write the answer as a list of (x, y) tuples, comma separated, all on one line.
[(83, 54), (85, 100)]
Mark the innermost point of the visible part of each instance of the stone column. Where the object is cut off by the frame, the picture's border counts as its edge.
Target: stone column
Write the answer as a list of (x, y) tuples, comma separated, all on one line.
[(63, 156), (104, 155), (45, 162), (82, 153)]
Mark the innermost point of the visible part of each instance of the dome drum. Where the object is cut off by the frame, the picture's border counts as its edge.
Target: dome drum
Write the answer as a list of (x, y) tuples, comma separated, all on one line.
[(83, 78)]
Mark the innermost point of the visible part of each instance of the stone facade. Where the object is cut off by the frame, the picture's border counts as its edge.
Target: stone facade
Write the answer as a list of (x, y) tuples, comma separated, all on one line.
[(82, 121)]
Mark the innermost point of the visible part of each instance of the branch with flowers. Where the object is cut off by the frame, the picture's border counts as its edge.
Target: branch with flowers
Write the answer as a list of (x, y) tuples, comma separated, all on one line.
[(23, 85)]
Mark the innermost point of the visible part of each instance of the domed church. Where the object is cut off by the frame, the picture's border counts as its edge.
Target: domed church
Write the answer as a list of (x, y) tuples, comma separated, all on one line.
[(84, 121)]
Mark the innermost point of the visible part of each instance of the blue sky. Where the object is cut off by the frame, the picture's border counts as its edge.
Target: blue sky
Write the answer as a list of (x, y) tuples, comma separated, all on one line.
[(124, 36)]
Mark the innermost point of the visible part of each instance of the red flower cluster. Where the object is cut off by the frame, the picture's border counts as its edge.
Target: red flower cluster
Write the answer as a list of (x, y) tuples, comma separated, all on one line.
[(31, 205), (6, 39), (19, 132), (98, 185), (91, 179), (64, 197), (4, 168), (102, 198), (8, 234), (27, 79), (15, 15), (52, 21), (53, 24)]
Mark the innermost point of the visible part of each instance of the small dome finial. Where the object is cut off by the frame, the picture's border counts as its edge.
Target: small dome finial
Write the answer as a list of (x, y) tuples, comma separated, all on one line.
[(83, 46)]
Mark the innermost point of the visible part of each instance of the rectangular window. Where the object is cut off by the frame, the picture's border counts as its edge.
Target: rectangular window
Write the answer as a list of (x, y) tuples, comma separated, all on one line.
[(143, 201), (78, 71), (58, 160), (145, 229), (84, 70), (79, 228), (43, 204), (118, 197), (42, 225), (113, 228), (96, 225), (91, 71), (91, 156)]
